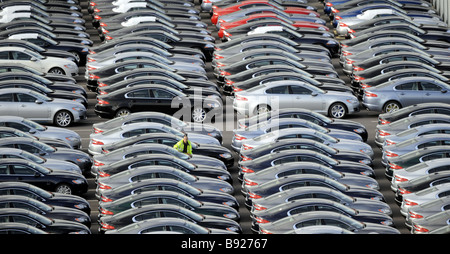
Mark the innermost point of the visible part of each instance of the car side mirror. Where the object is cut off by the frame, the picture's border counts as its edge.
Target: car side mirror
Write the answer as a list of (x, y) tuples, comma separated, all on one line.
[(38, 102), (443, 91), (314, 94), (33, 59)]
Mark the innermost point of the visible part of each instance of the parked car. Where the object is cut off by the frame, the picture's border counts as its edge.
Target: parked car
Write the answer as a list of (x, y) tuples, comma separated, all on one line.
[(40, 108), (403, 92), (49, 211), (40, 131), (420, 108), (20, 228), (426, 209), (100, 139), (142, 213), (421, 183), (290, 224), (425, 130), (52, 226), (255, 101), (416, 198), (166, 197), (430, 223)]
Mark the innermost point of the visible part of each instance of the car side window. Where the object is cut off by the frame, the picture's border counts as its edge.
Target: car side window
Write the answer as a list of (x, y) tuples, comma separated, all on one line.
[(133, 133), (439, 169), (427, 86), (19, 56), (444, 194), (307, 223), (278, 90), (161, 94), (299, 90), (411, 86), (4, 170), (25, 98), (428, 144), (7, 97), (22, 170), (142, 93)]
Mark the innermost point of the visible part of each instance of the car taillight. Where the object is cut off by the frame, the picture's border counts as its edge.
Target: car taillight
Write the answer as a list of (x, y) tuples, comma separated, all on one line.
[(102, 174), (358, 78), (357, 68), (97, 17), (107, 37), (383, 133), (403, 192), (239, 137), (364, 86), (369, 94), (218, 57), (224, 73), (254, 195), (103, 24), (104, 186), (92, 76), (250, 183), (388, 142), (265, 232), (329, 4), (394, 166), (418, 228), (247, 147), (410, 203), (101, 84), (346, 53), (261, 220), (343, 25), (383, 122), (400, 179), (106, 226), (415, 215), (98, 164), (338, 18), (259, 207), (220, 64), (97, 142), (240, 98), (349, 61), (245, 158), (90, 68), (105, 199), (102, 102), (104, 150), (105, 212), (237, 89), (101, 92), (391, 154), (96, 130), (246, 170)]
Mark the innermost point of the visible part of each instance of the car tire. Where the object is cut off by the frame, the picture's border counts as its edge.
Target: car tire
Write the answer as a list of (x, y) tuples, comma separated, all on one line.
[(63, 188), (391, 106), (198, 114), (337, 110), (63, 118), (57, 70), (122, 112), (76, 55), (262, 109)]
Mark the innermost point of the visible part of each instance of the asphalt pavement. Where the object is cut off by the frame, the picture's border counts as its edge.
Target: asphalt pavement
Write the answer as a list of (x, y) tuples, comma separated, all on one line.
[(368, 119)]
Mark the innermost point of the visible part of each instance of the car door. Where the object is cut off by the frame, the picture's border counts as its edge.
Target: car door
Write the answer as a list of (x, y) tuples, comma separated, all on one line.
[(139, 100), (409, 93), (26, 59), (161, 100), (303, 97), (7, 105), (24, 173), (432, 92), (278, 97), (32, 107)]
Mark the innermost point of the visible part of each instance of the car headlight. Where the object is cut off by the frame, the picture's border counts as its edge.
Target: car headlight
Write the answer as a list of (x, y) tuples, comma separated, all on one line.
[(81, 219), (352, 101), (225, 189), (385, 210), (78, 181), (72, 139), (225, 155), (374, 186), (366, 150), (213, 105), (359, 130), (223, 177), (81, 206), (365, 161), (387, 223)]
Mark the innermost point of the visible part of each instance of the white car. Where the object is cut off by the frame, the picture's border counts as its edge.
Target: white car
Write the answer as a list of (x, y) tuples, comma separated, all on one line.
[(36, 61)]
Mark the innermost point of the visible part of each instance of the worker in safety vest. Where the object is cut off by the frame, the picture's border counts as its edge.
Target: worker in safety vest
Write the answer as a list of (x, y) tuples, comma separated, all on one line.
[(184, 146)]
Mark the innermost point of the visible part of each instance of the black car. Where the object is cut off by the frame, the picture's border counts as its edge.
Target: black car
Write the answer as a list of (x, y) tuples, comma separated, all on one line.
[(316, 204), (44, 196), (170, 185), (420, 183), (18, 228), (77, 30), (68, 38), (165, 160), (78, 157), (293, 155), (61, 181), (168, 100), (330, 123), (52, 226), (308, 144), (416, 109), (166, 210), (53, 212), (166, 197), (44, 5), (414, 157), (219, 152), (18, 67), (295, 181)]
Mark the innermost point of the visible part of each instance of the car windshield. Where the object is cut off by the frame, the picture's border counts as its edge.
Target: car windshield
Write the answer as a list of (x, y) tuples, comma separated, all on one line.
[(265, 136), (39, 168), (40, 96), (416, 167), (33, 125), (45, 147), (32, 157), (327, 137), (172, 131), (406, 132), (177, 153)]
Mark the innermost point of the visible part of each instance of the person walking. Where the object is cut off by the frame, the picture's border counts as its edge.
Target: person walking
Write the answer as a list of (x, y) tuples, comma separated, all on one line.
[(184, 146)]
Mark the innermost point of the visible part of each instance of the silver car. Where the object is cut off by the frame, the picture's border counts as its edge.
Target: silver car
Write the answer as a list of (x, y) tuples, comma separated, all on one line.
[(426, 195), (393, 95), (285, 123), (419, 170), (340, 144), (409, 145), (40, 131), (114, 135), (33, 59), (383, 131), (40, 108), (427, 129), (431, 223), (290, 93), (426, 209)]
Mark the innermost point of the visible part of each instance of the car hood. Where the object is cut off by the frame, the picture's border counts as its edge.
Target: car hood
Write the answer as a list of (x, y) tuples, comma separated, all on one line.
[(58, 133)]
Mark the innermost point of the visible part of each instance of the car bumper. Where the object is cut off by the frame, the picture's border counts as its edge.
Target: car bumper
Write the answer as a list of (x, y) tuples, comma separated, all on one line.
[(372, 106)]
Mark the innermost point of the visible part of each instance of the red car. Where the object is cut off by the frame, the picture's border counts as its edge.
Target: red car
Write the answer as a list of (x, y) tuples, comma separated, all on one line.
[(298, 24), (263, 16), (217, 12)]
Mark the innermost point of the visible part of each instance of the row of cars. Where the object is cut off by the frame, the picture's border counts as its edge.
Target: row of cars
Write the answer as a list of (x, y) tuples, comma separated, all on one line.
[(300, 173), (141, 177), (42, 169), (416, 151), (276, 54), (394, 52), (153, 54), (42, 46)]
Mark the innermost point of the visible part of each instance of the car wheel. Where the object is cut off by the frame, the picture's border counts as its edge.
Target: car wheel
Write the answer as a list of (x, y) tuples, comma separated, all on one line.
[(198, 115), (76, 55), (261, 109), (391, 106), (57, 70), (63, 189), (122, 112), (337, 110), (63, 118)]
